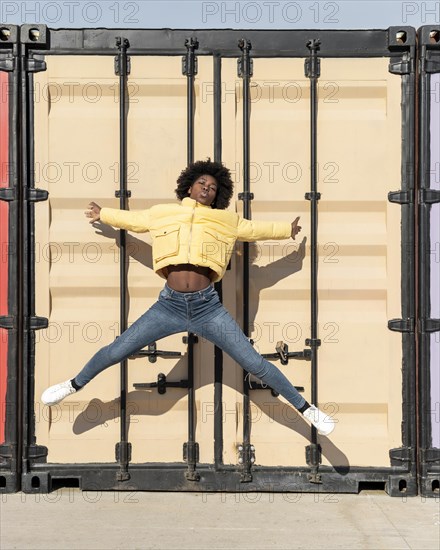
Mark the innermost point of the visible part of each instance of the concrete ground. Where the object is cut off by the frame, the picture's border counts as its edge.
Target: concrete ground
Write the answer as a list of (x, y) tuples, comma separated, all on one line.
[(69, 518)]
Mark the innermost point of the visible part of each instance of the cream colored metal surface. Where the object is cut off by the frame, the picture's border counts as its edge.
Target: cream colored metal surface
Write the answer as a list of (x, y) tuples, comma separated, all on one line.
[(77, 266)]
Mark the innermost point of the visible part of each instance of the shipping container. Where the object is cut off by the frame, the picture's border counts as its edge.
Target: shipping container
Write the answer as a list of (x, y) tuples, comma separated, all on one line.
[(429, 261), (10, 318), (314, 123)]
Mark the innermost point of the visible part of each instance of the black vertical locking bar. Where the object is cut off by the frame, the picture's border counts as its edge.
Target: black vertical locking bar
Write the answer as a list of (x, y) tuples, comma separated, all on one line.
[(122, 69), (312, 71), (245, 71), (29, 321), (191, 454), (218, 353)]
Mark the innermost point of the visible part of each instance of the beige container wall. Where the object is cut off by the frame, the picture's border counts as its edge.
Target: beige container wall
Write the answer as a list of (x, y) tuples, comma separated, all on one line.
[(77, 269), (359, 152)]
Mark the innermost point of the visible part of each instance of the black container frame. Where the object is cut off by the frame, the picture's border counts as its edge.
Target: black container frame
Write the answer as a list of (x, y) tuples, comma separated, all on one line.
[(396, 43), (428, 456), (10, 448)]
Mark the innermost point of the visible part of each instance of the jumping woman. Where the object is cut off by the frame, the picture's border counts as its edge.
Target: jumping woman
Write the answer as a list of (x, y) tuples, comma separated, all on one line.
[(192, 243)]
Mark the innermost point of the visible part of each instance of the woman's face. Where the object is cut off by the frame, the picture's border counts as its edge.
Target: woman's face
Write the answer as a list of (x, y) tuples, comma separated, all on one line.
[(204, 190)]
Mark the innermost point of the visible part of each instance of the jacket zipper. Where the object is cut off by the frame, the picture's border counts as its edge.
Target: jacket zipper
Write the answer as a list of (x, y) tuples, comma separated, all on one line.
[(190, 232)]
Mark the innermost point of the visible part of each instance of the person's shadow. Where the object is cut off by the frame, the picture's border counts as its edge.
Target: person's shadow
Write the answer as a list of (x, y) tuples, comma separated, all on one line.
[(138, 401)]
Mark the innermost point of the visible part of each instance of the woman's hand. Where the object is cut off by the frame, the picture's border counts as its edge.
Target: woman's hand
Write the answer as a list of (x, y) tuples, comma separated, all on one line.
[(295, 228), (94, 213)]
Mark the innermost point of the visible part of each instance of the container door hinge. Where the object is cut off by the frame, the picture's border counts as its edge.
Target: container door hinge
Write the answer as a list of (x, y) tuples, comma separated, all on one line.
[(8, 64), (37, 453), (402, 455), (7, 322), (401, 67), (38, 323), (429, 64), (429, 196), (8, 193), (402, 325), (33, 65), (429, 325), (401, 197), (37, 195)]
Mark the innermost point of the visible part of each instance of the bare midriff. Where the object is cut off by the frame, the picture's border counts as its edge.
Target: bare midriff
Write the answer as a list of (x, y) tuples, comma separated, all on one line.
[(187, 277)]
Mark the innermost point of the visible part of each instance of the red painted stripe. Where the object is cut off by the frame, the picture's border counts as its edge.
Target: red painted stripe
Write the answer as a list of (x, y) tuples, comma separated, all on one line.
[(4, 214)]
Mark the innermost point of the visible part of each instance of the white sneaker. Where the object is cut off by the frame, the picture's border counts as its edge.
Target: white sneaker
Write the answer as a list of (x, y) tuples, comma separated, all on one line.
[(57, 393), (323, 423)]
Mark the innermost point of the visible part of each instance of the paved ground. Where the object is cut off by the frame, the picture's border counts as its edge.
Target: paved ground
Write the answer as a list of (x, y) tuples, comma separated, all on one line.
[(69, 518)]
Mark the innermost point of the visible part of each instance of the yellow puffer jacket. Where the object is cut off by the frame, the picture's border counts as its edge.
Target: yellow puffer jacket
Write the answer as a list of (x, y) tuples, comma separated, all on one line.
[(192, 233)]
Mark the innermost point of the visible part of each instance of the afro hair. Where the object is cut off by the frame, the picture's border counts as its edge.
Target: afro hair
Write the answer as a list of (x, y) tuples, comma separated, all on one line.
[(221, 174)]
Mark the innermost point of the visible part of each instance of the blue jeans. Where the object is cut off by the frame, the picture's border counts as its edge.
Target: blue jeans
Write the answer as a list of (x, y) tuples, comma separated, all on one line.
[(203, 314)]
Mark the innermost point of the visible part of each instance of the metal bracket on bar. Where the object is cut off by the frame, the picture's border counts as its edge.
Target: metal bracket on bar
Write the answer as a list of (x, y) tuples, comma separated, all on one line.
[(313, 342), (312, 196), (245, 65), (401, 455), (401, 197), (8, 451), (429, 64), (33, 65), (153, 353), (8, 64), (162, 384), (123, 454), (126, 193), (122, 68), (38, 323), (191, 452), (189, 61), (429, 196), (402, 325), (191, 339), (37, 195), (8, 194), (245, 196), (37, 453), (7, 322), (431, 455), (312, 65), (246, 453), (400, 67), (429, 325), (283, 354), (313, 459)]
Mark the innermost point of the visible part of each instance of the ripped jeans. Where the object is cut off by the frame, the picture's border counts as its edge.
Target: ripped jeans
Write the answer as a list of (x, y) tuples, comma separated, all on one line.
[(201, 313)]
